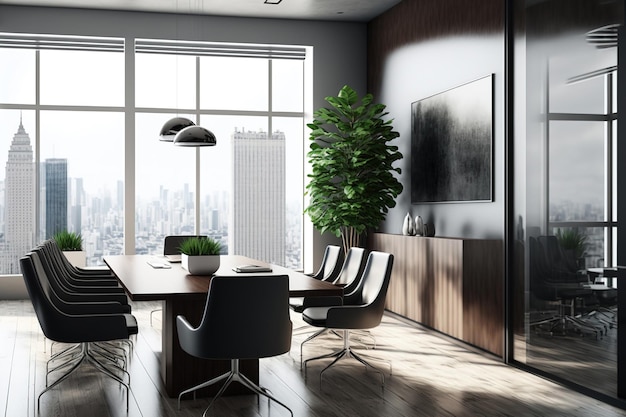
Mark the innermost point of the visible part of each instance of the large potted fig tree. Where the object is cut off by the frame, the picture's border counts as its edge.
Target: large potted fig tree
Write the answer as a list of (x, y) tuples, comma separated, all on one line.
[(353, 182)]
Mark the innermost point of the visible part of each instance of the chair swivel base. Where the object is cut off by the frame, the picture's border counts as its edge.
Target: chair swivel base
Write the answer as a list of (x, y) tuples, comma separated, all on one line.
[(85, 354), (232, 376), (347, 352)]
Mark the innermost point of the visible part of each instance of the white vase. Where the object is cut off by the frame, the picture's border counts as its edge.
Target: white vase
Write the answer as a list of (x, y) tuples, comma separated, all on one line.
[(419, 226), (200, 265), (77, 258), (407, 226)]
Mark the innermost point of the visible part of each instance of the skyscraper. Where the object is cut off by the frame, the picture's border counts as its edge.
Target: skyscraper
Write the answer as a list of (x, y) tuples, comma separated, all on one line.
[(19, 233), (56, 196), (258, 202)]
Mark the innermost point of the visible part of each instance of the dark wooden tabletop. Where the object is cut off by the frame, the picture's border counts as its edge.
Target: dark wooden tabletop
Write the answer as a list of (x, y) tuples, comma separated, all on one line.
[(142, 282)]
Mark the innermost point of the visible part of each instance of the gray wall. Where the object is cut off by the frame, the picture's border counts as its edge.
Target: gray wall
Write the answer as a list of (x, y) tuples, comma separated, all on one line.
[(421, 48)]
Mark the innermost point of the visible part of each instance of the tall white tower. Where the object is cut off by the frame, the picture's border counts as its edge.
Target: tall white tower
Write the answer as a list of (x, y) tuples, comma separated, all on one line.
[(19, 193), (258, 204)]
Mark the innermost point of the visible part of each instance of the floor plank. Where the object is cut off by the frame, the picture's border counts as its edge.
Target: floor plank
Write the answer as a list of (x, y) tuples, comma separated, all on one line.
[(432, 376)]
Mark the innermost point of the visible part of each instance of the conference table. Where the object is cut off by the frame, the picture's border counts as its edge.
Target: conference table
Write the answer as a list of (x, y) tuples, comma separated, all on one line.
[(186, 295)]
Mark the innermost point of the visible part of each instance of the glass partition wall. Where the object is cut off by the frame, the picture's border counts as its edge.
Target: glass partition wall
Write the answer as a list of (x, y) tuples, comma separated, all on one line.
[(565, 192)]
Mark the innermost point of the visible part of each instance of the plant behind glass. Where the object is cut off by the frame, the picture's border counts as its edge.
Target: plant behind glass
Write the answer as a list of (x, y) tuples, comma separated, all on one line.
[(197, 246), (352, 183)]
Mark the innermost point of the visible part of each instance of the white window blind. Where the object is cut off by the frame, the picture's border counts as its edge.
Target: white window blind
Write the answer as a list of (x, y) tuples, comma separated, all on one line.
[(60, 42), (197, 48)]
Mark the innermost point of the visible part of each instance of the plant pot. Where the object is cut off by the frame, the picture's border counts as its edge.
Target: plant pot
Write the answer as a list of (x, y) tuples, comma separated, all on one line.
[(200, 265), (77, 258)]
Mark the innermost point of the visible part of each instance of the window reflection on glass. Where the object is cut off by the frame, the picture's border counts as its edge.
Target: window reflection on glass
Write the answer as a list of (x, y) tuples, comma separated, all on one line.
[(234, 83), (82, 78), (577, 171), (165, 81), (583, 246), (85, 162), (18, 85), (17, 187), (574, 84), (164, 185), (287, 85)]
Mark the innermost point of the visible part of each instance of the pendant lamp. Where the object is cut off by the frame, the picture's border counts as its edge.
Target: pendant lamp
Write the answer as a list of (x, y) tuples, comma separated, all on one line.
[(195, 136), (172, 127)]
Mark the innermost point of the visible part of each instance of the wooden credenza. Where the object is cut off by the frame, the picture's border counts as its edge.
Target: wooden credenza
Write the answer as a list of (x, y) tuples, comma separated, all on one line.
[(453, 285)]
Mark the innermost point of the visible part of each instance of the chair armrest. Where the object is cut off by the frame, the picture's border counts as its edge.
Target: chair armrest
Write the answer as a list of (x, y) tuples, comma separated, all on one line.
[(322, 301)]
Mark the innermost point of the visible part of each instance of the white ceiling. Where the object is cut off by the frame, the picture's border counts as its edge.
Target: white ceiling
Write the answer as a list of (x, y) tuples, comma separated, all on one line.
[(338, 10)]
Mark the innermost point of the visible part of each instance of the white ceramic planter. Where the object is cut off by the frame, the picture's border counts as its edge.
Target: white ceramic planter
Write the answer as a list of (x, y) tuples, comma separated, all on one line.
[(200, 265), (77, 258)]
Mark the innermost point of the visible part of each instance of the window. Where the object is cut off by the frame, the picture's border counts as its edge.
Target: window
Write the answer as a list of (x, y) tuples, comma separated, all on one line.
[(248, 190), (69, 171), (65, 173)]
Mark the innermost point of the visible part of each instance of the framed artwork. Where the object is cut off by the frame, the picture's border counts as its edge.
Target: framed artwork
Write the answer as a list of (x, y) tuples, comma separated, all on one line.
[(451, 144)]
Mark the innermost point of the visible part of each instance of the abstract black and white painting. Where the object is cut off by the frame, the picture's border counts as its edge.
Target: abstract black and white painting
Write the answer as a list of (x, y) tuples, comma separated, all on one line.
[(451, 144)]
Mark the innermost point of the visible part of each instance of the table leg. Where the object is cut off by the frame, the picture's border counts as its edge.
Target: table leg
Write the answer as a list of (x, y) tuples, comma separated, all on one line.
[(180, 370)]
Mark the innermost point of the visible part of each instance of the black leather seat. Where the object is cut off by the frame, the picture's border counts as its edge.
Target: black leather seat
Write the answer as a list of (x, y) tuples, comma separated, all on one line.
[(245, 317), (363, 310)]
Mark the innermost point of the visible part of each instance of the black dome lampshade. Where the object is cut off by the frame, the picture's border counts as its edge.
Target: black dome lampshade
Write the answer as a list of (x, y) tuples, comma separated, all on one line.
[(171, 128), (195, 136)]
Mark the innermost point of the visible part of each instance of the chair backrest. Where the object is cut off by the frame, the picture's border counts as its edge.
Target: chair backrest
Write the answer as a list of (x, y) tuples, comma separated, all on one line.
[(245, 317), (351, 269), (171, 244), (331, 264)]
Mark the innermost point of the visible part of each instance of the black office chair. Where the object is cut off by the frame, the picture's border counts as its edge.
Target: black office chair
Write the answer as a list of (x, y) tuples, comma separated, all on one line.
[(349, 278), (171, 243), (171, 246), (79, 304), (246, 317), (83, 329), (328, 271), (365, 309), (77, 272), (331, 264), (77, 276), (69, 292), (551, 283)]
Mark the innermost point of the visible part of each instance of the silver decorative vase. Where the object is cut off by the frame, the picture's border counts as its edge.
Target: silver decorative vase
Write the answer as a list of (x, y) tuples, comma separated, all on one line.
[(419, 226), (407, 226)]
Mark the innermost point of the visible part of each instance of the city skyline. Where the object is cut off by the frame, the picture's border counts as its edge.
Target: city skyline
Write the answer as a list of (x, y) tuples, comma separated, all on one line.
[(99, 216)]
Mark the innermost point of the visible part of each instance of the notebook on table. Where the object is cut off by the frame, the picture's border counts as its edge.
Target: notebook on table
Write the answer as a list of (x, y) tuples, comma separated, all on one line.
[(252, 268)]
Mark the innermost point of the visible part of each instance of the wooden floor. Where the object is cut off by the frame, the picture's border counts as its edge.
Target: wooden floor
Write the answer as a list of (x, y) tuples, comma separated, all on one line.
[(432, 376)]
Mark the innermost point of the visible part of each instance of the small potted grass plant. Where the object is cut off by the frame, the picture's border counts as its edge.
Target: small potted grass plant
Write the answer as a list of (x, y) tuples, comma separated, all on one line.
[(200, 255), (72, 246)]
